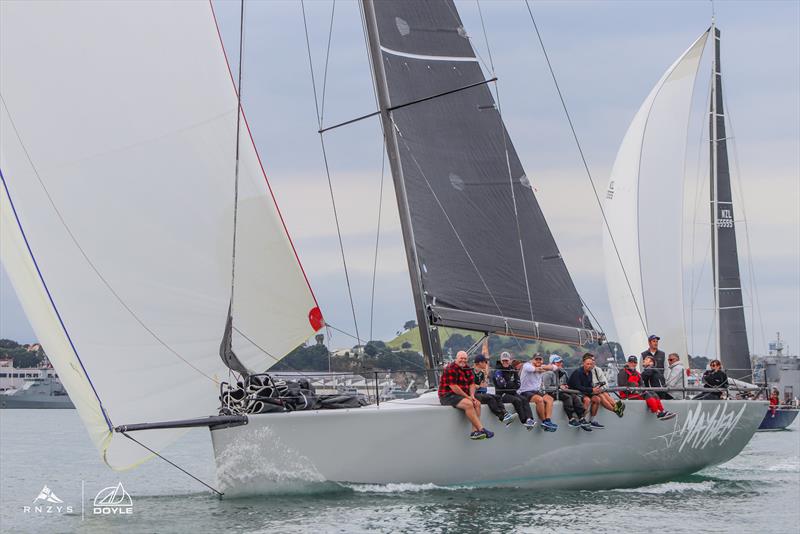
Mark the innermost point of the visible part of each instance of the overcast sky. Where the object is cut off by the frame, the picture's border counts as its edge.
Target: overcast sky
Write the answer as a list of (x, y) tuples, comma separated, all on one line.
[(607, 56)]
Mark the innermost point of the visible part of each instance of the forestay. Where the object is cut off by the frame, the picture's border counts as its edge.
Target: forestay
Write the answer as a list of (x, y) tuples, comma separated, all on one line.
[(644, 206), (118, 141), (485, 255)]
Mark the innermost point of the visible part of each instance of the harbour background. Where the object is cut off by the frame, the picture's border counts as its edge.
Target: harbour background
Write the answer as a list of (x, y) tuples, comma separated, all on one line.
[(758, 490)]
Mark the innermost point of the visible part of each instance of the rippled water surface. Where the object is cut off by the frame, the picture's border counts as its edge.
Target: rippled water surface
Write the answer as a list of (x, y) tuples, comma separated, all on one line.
[(758, 491)]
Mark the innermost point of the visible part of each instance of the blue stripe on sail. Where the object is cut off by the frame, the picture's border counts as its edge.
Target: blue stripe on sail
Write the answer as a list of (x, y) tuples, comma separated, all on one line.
[(52, 302)]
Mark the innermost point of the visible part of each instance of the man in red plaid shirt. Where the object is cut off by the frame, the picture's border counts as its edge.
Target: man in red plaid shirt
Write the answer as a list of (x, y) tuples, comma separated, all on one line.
[(457, 389)]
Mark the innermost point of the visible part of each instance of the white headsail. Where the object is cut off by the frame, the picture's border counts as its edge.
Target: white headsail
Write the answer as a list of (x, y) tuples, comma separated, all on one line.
[(118, 142), (644, 206)]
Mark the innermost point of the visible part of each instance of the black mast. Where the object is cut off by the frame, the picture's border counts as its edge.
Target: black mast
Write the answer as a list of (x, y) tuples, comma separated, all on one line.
[(732, 347), (431, 347)]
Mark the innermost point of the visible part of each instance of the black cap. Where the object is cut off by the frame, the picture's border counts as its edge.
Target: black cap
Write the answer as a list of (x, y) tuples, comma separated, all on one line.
[(480, 358), (633, 359)]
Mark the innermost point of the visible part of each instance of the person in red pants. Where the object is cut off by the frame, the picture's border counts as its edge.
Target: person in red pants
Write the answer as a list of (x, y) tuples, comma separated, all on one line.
[(629, 376)]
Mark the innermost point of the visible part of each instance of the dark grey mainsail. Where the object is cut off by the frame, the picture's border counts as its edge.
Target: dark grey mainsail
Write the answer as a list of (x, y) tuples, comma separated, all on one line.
[(732, 346), (480, 252)]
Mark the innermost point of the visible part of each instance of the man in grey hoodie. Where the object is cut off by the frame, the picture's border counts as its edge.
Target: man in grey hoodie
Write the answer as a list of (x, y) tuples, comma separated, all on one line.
[(674, 375)]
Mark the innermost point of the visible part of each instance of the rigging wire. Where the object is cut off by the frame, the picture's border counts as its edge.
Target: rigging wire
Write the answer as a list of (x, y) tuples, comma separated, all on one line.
[(508, 166), (377, 243), (238, 144), (325, 158), (699, 188), (586, 167), (173, 464)]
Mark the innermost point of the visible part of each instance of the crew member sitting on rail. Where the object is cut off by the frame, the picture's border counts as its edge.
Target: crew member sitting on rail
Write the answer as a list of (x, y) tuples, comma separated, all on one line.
[(581, 380), (457, 389), (506, 383), (713, 378), (674, 375), (481, 370), (651, 377), (530, 388), (604, 398), (555, 383), (629, 376)]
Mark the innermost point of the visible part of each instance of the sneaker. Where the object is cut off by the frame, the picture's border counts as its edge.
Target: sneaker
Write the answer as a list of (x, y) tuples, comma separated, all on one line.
[(574, 423), (595, 424), (477, 435), (619, 408), (508, 418), (549, 425), (665, 416), (585, 425), (488, 433), (529, 424)]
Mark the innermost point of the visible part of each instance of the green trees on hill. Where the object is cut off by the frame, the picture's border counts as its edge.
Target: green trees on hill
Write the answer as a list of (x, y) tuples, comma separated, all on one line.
[(23, 355)]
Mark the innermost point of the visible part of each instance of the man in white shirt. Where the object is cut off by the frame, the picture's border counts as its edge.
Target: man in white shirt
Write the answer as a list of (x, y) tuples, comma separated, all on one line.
[(530, 388), (674, 375)]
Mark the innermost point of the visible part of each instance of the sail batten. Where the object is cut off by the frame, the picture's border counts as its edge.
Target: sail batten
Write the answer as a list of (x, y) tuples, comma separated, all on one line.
[(476, 232)]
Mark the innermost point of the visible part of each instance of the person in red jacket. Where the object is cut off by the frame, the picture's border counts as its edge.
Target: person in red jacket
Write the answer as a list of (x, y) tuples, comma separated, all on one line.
[(629, 376)]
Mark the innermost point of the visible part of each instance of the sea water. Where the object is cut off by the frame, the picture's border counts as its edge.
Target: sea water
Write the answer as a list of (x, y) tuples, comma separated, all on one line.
[(758, 491)]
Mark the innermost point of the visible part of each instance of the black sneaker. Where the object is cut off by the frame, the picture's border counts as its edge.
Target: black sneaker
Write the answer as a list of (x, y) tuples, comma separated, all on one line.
[(477, 435), (665, 416), (595, 424), (619, 408), (586, 425)]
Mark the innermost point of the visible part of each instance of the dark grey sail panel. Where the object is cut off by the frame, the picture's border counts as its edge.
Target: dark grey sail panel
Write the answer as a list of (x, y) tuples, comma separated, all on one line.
[(459, 167), (734, 349)]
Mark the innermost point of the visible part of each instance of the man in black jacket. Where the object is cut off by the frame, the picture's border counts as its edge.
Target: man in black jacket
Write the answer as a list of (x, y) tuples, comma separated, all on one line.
[(659, 358), (506, 384)]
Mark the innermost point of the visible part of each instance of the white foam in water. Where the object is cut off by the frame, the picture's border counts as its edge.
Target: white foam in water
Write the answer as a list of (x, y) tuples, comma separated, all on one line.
[(400, 488), (672, 487)]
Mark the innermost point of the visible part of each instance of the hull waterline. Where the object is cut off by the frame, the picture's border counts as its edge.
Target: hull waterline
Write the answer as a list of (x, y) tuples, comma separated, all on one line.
[(421, 442), (779, 420)]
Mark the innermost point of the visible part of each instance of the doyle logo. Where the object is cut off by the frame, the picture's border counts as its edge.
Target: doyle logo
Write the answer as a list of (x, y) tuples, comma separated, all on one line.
[(113, 500), (41, 506)]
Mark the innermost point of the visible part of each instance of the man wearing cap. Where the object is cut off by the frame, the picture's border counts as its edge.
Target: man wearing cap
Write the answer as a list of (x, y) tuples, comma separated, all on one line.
[(629, 376), (481, 371), (555, 383), (530, 379), (506, 383), (658, 356)]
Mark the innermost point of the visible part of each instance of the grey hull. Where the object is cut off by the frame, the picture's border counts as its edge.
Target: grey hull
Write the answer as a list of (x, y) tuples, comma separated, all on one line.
[(414, 442), (60, 403)]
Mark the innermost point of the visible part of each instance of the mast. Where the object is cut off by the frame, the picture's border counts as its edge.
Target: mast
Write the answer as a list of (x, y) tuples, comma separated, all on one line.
[(731, 328), (431, 349), (713, 189)]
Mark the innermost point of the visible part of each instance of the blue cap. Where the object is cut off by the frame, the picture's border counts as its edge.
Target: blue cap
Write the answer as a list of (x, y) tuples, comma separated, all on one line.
[(652, 337), (555, 358), (480, 358)]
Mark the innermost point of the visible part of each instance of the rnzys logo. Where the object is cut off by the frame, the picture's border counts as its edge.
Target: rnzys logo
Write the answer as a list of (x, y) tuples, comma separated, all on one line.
[(41, 506), (113, 500)]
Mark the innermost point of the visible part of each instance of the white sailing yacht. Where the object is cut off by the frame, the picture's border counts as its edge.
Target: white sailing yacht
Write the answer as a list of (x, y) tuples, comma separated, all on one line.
[(119, 129), (643, 208)]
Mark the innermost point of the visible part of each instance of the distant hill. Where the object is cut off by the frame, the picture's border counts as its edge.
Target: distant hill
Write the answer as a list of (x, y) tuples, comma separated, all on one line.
[(454, 340)]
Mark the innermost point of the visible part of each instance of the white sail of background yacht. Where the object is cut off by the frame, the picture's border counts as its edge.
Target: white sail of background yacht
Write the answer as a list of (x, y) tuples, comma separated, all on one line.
[(117, 159), (643, 201)]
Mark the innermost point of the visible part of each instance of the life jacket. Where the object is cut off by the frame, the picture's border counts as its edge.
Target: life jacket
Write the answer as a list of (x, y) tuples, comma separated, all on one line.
[(634, 379)]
